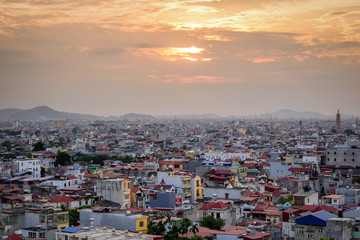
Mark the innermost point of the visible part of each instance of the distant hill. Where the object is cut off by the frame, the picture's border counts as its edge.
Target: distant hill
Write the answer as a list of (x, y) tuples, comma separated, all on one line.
[(5, 114), (40, 113), (194, 116), (136, 116), (291, 114)]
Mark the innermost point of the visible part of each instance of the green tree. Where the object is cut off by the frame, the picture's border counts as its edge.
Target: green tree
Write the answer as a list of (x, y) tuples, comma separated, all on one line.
[(7, 144), (213, 223), (63, 159), (39, 146), (43, 172), (349, 132), (171, 229)]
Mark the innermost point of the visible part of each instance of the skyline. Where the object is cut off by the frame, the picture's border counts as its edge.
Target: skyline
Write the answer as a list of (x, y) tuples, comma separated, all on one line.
[(180, 57)]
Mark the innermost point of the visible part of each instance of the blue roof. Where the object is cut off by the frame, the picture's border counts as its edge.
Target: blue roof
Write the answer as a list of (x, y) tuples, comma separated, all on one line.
[(317, 219), (71, 229), (20, 173)]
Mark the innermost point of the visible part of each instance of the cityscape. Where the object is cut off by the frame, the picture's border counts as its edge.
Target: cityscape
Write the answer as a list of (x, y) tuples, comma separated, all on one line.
[(168, 178), (179, 119)]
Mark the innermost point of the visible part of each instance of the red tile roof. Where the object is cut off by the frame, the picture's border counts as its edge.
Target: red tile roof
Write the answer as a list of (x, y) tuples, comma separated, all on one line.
[(211, 205), (61, 198), (13, 237)]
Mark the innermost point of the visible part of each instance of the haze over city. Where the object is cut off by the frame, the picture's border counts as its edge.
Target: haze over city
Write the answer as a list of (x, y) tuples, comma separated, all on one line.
[(229, 57)]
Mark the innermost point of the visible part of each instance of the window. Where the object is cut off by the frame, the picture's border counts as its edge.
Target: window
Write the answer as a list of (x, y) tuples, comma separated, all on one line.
[(310, 235), (42, 235), (128, 185), (300, 231), (353, 153), (226, 195), (218, 215), (141, 223), (335, 153), (353, 160), (334, 159), (344, 153), (320, 231), (32, 234), (328, 159)]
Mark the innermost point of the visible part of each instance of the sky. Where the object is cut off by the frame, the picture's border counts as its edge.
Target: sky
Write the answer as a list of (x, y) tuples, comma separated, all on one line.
[(228, 57)]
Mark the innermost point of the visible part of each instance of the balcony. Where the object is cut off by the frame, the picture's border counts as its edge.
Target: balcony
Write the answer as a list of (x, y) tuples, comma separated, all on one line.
[(187, 186), (187, 194)]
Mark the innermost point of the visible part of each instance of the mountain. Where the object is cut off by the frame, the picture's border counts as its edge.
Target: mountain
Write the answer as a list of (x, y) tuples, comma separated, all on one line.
[(5, 114), (136, 116), (194, 116), (40, 113), (291, 114)]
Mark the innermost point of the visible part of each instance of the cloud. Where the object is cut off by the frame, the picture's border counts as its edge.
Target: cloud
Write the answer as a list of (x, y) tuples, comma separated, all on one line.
[(174, 53), (179, 79), (263, 60), (107, 51)]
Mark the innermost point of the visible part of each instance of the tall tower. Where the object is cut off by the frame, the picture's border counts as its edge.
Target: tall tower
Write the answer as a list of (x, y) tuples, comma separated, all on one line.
[(338, 121)]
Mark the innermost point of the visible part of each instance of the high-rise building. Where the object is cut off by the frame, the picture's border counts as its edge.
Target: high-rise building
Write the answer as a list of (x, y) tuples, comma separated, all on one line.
[(338, 120)]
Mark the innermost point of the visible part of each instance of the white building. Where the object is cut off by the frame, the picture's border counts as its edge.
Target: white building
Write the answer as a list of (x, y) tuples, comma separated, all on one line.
[(224, 156), (28, 165), (115, 190)]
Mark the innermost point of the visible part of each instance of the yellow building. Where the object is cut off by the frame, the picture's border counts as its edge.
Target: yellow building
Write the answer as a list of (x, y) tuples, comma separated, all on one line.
[(197, 188), (116, 190)]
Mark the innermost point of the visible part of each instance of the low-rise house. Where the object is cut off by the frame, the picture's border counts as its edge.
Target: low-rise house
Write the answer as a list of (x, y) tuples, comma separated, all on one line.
[(340, 228), (333, 200), (312, 226), (116, 190), (305, 197), (118, 220), (224, 209)]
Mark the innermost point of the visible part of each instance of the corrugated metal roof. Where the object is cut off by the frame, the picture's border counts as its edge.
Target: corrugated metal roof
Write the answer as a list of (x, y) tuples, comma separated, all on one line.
[(71, 229)]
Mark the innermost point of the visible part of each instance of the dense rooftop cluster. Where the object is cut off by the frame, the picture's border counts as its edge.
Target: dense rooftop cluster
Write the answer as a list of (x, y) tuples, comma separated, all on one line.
[(154, 179)]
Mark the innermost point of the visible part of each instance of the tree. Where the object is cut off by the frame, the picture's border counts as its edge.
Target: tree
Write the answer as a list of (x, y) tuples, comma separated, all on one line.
[(43, 172), (349, 132), (213, 223), (7, 144), (39, 146), (63, 159), (171, 229)]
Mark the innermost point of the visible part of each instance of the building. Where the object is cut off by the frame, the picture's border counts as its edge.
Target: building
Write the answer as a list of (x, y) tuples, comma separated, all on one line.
[(343, 155), (118, 220), (338, 120), (180, 180), (339, 228), (197, 190), (305, 197), (28, 165), (101, 233), (333, 200), (312, 226), (116, 190)]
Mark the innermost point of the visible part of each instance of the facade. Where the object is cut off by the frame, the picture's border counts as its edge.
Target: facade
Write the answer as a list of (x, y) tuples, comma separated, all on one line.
[(339, 228), (306, 198), (343, 155), (312, 226), (279, 169), (28, 165), (181, 181), (197, 190), (120, 221), (115, 190)]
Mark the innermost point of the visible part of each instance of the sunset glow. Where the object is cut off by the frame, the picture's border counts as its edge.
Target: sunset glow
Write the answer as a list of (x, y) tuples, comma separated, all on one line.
[(111, 46)]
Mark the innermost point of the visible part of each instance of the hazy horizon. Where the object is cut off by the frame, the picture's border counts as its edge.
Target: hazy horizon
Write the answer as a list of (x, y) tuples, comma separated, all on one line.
[(169, 57)]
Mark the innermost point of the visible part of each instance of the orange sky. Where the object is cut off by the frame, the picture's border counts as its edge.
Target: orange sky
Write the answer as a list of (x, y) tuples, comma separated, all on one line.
[(230, 57)]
